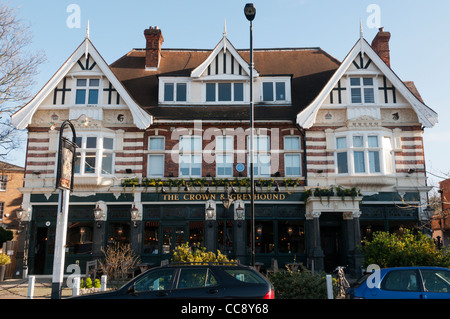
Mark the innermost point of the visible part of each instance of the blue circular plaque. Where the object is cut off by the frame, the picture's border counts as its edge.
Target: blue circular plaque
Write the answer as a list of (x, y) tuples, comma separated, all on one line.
[(240, 167)]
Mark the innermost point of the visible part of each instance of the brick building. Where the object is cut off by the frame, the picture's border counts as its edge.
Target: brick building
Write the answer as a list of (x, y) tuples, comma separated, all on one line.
[(164, 133), (441, 221), (11, 179)]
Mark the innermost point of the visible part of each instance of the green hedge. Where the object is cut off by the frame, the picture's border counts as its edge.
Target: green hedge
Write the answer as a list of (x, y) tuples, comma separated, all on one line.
[(301, 284)]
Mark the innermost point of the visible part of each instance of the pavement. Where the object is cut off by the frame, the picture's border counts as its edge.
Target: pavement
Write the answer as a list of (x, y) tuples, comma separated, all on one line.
[(18, 289)]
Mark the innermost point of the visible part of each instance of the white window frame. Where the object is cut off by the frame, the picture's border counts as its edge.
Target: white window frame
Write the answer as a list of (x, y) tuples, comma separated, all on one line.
[(216, 94), (193, 154), (385, 154), (224, 151), (98, 150), (260, 156), (361, 87), (174, 80), (3, 182), (274, 80), (156, 152), (87, 89), (292, 152)]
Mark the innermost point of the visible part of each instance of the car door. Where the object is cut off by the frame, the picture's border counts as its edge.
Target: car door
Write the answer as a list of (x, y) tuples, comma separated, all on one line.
[(399, 284), (155, 284), (436, 283), (197, 282)]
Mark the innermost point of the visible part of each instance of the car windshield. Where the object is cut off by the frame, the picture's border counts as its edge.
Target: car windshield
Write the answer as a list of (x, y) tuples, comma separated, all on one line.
[(245, 275)]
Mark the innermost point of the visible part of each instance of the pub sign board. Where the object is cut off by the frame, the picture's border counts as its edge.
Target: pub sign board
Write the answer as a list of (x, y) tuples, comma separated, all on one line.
[(66, 164)]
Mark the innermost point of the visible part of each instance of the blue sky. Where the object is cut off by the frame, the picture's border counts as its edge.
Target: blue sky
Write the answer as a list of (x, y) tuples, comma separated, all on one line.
[(420, 46)]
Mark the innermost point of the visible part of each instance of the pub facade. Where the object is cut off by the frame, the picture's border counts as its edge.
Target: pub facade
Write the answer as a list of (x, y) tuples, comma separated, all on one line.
[(163, 150)]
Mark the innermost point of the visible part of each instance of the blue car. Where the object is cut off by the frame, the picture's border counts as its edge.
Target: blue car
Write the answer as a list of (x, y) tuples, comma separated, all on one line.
[(403, 283)]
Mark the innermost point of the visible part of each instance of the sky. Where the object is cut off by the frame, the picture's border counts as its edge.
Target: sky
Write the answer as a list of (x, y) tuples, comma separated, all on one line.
[(420, 34)]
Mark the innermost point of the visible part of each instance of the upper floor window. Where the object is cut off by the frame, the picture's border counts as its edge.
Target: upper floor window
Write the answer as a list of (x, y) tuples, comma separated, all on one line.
[(224, 92), (261, 155), (156, 156), (175, 92), (362, 90), (292, 156), (87, 91), (95, 155), (190, 155), (364, 154), (3, 182), (274, 91), (224, 155)]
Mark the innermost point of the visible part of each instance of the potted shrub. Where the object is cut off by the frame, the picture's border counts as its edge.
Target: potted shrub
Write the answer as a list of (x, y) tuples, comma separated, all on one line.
[(4, 260)]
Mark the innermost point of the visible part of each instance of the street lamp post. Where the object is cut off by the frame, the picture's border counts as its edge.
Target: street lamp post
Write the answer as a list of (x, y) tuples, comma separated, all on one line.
[(250, 12), (64, 182)]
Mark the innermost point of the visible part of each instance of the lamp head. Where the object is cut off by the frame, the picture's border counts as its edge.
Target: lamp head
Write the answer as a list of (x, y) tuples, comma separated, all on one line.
[(250, 11)]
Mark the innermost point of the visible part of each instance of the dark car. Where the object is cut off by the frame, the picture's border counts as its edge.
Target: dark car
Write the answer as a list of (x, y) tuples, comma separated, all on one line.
[(403, 283), (205, 281)]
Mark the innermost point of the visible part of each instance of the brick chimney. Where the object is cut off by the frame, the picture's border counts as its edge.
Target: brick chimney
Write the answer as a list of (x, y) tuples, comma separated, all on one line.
[(154, 40), (380, 45)]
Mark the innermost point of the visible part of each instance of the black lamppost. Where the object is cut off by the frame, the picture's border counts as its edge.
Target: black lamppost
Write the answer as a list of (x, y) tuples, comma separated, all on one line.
[(64, 182), (250, 12)]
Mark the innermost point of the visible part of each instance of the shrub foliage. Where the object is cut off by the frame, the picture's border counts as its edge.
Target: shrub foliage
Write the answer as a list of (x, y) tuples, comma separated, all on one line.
[(301, 284), (406, 248)]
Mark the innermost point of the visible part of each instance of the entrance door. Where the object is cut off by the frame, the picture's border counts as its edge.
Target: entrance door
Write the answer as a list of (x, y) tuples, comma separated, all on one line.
[(39, 250), (173, 235), (330, 240), (43, 250)]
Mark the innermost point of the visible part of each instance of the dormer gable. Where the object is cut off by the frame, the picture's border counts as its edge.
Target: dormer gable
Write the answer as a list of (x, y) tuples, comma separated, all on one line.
[(224, 63)]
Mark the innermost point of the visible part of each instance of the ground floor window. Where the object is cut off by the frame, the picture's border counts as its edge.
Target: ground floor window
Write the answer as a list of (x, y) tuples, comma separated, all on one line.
[(79, 237), (291, 237), (196, 234), (119, 232), (151, 238), (225, 236)]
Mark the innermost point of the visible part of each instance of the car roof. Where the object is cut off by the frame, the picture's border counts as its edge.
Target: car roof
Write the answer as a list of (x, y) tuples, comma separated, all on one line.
[(415, 267), (202, 263)]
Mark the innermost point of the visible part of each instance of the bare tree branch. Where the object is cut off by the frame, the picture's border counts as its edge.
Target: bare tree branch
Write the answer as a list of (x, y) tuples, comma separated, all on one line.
[(18, 67)]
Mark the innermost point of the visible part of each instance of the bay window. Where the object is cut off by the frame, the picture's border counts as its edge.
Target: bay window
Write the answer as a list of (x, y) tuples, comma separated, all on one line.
[(364, 153), (95, 155)]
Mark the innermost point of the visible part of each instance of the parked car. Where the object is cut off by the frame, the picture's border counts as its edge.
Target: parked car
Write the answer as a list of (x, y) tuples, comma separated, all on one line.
[(205, 281), (403, 283)]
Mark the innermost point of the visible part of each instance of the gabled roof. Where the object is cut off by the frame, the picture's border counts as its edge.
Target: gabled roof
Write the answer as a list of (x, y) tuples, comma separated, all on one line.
[(427, 117), (22, 118), (223, 45)]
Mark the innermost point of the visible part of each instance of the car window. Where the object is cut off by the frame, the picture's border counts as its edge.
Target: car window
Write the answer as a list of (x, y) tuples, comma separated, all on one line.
[(401, 280), (160, 279), (436, 280), (245, 275), (195, 278)]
